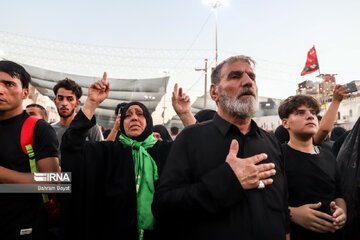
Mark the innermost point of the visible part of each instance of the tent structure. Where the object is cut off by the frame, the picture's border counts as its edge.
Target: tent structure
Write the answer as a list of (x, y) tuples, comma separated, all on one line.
[(148, 91)]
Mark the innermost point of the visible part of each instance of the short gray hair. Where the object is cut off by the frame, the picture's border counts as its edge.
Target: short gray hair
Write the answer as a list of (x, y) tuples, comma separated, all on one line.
[(216, 74)]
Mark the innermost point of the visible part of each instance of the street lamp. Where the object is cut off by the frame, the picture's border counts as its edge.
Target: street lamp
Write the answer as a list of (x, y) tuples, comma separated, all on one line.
[(214, 5)]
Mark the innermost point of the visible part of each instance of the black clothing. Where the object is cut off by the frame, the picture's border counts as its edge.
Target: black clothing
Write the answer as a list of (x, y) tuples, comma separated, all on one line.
[(204, 115), (338, 143), (348, 160), (327, 145), (311, 178), (282, 134), (336, 133), (21, 211), (103, 200), (163, 132), (201, 196)]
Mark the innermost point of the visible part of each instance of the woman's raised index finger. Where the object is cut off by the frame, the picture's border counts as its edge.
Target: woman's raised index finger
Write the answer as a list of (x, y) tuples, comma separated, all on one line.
[(104, 77)]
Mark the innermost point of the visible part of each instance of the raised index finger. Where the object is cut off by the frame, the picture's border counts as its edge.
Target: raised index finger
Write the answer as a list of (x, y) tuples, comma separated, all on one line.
[(104, 77), (175, 88)]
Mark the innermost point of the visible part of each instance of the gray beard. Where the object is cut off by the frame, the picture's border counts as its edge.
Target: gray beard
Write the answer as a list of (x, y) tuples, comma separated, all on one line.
[(237, 107)]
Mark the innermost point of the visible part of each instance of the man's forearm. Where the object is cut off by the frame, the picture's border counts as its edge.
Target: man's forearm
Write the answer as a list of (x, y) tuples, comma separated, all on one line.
[(49, 164), (187, 118), (327, 122), (11, 176)]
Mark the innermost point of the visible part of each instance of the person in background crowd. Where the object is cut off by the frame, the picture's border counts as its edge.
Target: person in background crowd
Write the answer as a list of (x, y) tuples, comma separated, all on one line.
[(204, 115), (174, 131), (315, 197), (336, 133), (37, 111), (22, 215), (224, 179), (161, 133), (67, 99), (348, 160), (115, 131)]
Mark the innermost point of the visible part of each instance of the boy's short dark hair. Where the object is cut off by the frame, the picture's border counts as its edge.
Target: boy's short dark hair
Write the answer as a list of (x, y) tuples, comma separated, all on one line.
[(292, 103), (43, 110), (68, 84), (174, 130), (16, 71)]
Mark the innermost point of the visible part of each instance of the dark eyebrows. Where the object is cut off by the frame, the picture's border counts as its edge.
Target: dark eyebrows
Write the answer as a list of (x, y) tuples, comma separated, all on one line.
[(67, 97), (240, 73), (251, 75), (235, 73), (302, 111), (139, 110), (7, 82)]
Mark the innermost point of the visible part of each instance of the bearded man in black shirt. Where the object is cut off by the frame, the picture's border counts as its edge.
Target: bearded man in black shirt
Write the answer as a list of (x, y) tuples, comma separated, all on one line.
[(22, 215), (224, 178)]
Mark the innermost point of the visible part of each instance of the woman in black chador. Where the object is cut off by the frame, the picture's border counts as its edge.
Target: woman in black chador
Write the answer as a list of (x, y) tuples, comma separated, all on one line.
[(348, 161), (112, 182)]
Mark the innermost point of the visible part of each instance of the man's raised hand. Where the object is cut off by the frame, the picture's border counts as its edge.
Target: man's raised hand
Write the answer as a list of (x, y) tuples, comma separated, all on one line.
[(248, 173), (180, 101), (182, 106)]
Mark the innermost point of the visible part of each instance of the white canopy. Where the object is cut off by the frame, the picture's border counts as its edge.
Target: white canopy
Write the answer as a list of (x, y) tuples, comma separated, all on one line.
[(148, 91)]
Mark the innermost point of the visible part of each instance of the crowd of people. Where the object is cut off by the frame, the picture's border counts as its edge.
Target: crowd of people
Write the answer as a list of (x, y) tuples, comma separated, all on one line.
[(221, 177)]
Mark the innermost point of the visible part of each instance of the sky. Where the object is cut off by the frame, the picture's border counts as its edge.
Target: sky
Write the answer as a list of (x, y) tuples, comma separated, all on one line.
[(143, 38)]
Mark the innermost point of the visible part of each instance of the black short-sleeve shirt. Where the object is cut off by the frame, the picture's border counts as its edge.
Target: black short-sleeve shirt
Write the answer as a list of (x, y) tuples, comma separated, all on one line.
[(311, 178), (20, 211)]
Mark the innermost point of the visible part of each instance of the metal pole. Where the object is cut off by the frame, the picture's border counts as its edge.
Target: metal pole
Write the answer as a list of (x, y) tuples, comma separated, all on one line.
[(216, 36), (164, 107), (205, 88), (205, 94)]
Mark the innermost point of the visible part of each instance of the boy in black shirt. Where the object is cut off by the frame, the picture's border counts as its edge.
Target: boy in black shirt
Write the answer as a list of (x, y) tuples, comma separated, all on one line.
[(315, 199), (22, 216)]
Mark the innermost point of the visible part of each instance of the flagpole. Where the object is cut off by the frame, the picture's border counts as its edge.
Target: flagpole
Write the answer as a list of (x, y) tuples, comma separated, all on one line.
[(318, 60)]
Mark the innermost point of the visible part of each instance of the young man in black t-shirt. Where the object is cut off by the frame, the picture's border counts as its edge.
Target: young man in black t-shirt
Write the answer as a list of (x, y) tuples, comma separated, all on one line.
[(315, 198), (22, 215)]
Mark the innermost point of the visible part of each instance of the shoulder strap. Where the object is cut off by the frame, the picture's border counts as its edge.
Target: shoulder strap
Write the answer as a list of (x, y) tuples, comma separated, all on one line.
[(27, 132), (26, 141)]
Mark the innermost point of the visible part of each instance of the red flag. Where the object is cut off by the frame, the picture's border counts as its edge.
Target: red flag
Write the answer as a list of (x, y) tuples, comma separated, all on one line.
[(312, 63)]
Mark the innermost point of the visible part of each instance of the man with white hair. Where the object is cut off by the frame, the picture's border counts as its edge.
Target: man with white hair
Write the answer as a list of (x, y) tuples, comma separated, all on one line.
[(224, 179)]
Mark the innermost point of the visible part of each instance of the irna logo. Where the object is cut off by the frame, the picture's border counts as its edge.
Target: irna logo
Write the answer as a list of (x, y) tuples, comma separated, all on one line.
[(52, 177)]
